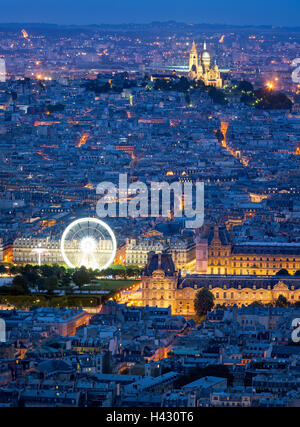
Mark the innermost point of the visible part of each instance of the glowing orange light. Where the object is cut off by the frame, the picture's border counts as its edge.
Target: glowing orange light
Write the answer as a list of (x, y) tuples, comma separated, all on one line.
[(270, 85), (44, 156), (25, 34), (83, 140), (224, 128)]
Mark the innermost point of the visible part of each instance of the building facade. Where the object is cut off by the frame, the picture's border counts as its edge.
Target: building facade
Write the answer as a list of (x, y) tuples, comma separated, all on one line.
[(216, 253), (181, 248), (163, 286), (251, 258), (48, 251), (25, 251)]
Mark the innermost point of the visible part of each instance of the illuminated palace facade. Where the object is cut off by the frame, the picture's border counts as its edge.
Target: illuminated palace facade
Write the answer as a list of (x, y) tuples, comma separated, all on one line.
[(219, 255), (182, 249), (25, 250), (163, 286), (200, 68)]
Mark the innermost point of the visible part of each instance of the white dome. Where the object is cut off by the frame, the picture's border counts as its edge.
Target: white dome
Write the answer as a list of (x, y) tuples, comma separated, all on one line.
[(205, 55)]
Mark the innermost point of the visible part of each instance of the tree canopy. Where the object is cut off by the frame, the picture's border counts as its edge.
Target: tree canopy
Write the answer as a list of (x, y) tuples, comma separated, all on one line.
[(282, 272), (81, 277), (204, 302), (282, 302)]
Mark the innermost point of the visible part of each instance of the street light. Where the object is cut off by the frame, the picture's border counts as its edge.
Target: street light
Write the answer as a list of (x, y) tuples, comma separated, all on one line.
[(39, 251)]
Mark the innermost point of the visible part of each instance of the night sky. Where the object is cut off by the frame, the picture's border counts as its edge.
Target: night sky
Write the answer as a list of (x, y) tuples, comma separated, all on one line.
[(255, 12)]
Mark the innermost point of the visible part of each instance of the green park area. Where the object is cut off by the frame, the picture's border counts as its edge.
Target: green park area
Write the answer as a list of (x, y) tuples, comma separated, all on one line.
[(58, 286), (111, 284)]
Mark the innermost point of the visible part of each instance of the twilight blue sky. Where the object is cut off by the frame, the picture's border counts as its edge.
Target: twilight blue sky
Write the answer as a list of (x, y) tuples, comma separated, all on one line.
[(256, 12)]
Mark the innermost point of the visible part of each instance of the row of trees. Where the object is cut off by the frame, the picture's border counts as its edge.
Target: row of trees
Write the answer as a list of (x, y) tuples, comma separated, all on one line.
[(262, 98), (45, 278), (51, 277), (181, 84), (115, 85), (28, 301), (187, 86), (284, 272)]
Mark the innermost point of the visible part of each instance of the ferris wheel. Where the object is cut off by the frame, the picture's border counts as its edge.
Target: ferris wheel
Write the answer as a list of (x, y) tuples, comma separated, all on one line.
[(88, 242)]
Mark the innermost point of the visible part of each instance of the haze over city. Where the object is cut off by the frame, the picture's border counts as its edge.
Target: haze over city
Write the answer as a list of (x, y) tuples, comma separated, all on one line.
[(232, 12)]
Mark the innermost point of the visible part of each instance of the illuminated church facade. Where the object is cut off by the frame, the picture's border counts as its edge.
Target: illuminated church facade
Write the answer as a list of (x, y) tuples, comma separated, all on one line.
[(200, 68)]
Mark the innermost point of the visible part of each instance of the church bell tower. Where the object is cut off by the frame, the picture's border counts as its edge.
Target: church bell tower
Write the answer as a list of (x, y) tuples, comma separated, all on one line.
[(193, 65)]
